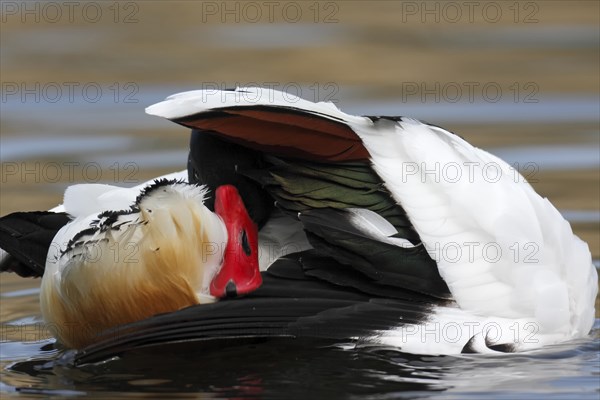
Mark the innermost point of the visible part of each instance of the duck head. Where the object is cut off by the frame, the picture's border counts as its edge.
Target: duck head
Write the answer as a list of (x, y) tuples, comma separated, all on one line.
[(166, 252)]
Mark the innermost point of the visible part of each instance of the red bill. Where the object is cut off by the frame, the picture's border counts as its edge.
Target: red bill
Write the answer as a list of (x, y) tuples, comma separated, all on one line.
[(240, 272)]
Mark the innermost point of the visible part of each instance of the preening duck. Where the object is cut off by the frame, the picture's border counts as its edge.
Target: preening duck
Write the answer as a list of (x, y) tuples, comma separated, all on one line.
[(112, 255), (387, 231)]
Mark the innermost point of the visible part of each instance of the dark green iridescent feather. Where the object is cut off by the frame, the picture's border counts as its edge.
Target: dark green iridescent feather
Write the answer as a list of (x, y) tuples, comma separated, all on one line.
[(299, 186)]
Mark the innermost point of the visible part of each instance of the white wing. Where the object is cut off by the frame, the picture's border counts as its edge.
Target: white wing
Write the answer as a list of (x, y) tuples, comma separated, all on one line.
[(502, 249), (196, 101)]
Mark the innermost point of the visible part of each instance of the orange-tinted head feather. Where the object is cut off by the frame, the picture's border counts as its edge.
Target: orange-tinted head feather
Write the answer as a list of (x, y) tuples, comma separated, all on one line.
[(157, 266)]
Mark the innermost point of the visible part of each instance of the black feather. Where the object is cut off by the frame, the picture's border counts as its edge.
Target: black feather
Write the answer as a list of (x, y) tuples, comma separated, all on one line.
[(331, 232), (500, 347), (273, 311), (214, 162), (27, 237), (469, 347), (328, 269)]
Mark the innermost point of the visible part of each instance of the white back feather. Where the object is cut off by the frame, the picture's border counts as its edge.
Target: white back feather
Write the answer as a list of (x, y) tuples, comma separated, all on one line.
[(88, 198), (542, 271), (373, 223)]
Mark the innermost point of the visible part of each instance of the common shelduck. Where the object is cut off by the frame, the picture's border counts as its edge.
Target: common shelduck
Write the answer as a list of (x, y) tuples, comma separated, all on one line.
[(389, 231)]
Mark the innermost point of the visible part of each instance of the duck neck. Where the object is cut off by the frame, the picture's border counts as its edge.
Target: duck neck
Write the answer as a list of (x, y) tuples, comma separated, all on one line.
[(213, 251)]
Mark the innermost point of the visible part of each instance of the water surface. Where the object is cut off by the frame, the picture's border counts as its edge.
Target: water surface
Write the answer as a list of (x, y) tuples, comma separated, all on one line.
[(364, 63)]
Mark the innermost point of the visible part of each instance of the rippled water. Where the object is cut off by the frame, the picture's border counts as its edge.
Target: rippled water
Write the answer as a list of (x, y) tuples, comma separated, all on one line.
[(364, 63), (298, 369)]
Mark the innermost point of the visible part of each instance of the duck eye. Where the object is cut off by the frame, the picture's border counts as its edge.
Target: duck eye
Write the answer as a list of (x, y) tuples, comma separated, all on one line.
[(245, 245)]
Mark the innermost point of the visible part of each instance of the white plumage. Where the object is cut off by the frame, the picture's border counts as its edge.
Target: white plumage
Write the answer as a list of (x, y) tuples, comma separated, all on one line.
[(129, 253), (508, 256), (525, 263)]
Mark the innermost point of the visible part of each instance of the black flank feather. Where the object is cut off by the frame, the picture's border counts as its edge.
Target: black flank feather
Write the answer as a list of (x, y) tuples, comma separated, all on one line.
[(409, 268), (26, 237), (286, 306)]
